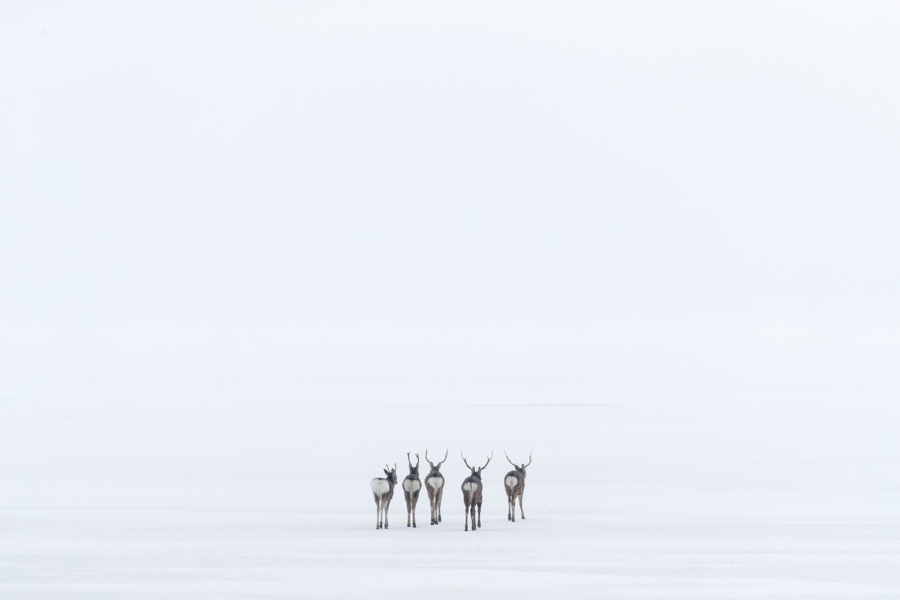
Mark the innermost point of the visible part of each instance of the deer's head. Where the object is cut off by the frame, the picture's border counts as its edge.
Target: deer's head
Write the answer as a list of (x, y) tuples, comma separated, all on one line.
[(435, 468), (391, 475), (518, 468), (413, 470), (476, 472)]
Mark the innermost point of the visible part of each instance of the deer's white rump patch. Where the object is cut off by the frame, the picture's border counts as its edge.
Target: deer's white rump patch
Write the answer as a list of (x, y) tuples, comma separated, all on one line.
[(435, 482), (469, 487), (380, 487), (511, 481), (411, 485)]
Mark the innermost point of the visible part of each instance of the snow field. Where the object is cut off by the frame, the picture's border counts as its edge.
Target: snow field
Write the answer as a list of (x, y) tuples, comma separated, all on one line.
[(148, 489)]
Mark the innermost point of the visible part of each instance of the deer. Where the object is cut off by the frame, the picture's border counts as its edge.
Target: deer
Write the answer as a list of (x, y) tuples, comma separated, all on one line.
[(411, 487), (471, 489), (514, 482), (434, 485), (383, 488)]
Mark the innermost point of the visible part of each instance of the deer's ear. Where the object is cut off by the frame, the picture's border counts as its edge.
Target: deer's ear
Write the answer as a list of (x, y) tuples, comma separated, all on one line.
[(386, 472)]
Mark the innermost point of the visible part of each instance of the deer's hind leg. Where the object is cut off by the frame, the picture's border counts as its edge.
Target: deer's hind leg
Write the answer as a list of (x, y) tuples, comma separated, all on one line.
[(377, 512), (408, 506), (415, 500), (479, 512), (465, 500), (438, 494), (521, 510)]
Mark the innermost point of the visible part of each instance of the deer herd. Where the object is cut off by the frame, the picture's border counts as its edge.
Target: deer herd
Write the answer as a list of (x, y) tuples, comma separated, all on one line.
[(383, 490)]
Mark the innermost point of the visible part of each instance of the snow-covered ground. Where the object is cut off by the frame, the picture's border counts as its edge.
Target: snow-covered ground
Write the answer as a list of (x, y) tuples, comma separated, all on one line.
[(255, 488)]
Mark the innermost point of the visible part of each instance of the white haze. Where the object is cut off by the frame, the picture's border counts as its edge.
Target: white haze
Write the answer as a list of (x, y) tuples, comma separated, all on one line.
[(253, 183)]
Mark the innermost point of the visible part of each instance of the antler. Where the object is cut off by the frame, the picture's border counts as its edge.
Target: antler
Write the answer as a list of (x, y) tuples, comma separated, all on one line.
[(464, 458), (409, 461), (489, 460), (446, 452), (417, 459), (514, 464)]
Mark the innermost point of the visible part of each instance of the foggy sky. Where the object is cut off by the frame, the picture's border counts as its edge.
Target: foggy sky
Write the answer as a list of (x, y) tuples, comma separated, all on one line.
[(385, 185)]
